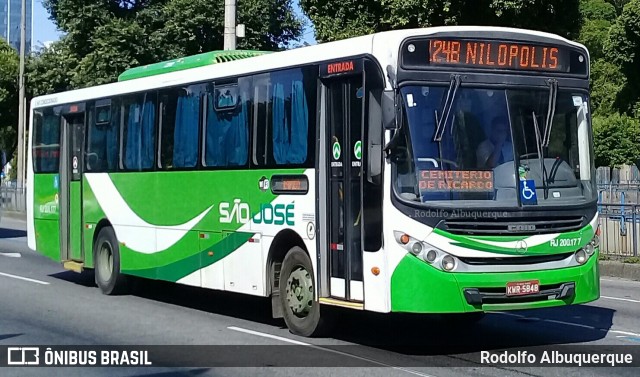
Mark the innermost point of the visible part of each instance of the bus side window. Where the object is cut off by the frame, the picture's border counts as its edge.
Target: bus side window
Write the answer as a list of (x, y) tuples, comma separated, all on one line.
[(285, 117), (226, 132), (102, 138), (139, 131), (179, 126), (261, 144), (46, 144)]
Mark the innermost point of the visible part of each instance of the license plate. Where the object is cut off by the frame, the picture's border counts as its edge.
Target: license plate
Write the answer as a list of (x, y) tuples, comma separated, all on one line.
[(519, 288)]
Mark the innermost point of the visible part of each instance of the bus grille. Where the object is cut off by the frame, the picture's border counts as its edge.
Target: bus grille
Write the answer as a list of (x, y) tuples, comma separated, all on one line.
[(511, 261), (511, 226)]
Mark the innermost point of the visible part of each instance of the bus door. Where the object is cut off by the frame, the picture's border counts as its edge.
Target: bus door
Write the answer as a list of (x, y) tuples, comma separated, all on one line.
[(71, 167), (344, 117)]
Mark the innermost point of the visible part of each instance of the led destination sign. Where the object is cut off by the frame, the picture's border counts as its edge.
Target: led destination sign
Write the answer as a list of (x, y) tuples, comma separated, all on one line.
[(491, 54)]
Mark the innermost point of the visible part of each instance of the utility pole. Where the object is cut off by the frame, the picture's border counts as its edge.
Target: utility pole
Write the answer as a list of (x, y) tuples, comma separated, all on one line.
[(229, 24), (21, 99)]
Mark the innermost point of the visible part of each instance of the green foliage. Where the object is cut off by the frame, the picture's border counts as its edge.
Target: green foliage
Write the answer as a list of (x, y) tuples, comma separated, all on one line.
[(194, 26), (607, 83), (9, 64), (623, 47), (338, 20), (631, 260), (616, 140), (106, 37), (598, 10), (51, 69), (602, 256), (594, 35)]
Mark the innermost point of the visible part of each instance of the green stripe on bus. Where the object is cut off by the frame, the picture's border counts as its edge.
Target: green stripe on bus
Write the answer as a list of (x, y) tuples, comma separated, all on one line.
[(186, 266)]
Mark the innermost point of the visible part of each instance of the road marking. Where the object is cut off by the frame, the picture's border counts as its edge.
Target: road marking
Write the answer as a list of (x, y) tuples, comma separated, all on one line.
[(571, 324), (268, 336), (23, 278), (622, 332), (11, 255), (265, 335), (629, 338), (620, 299)]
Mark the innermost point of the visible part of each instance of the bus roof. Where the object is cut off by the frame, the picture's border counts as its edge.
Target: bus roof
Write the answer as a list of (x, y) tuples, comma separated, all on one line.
[(383, 46), (188, 62)]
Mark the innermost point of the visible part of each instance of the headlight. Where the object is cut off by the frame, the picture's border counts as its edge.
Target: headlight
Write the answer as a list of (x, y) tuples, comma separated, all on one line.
[(416, 248), (589, 249), (448, 263), (595, 241), (581, 256), (430, 254)]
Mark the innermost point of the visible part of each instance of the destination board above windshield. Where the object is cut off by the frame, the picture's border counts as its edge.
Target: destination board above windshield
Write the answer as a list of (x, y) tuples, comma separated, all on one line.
[(491, 54)]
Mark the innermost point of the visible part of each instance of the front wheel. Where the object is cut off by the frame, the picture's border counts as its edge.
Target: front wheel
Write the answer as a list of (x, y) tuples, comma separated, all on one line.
[(301, 310)]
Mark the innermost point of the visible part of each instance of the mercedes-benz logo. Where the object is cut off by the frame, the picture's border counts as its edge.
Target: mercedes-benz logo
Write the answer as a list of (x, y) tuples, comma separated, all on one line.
[(521, 247)]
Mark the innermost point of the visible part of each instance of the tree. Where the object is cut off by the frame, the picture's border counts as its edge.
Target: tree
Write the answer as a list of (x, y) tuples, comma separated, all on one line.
[(598, 10), (106, 37), (616, 140), (51, 69), (623, 47), (9, 64), (337, 20), (607, 83)]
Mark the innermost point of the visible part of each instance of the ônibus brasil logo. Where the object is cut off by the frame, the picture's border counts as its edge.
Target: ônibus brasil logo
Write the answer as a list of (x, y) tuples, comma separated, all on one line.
[(239, 212)]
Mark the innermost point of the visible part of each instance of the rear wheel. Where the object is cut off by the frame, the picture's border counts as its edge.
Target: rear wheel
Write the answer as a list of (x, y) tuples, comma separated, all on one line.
[(301, 310), (106, 259)]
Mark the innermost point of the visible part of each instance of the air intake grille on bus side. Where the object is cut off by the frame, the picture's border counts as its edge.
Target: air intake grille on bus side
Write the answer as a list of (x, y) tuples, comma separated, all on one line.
[(511, 226)]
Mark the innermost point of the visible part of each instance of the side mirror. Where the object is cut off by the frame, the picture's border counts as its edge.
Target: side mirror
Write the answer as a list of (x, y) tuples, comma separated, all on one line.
[(374, 138), (388, 107)]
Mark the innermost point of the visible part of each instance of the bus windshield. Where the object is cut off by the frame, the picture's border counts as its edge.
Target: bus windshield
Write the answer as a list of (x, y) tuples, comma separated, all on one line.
[(499, 147)]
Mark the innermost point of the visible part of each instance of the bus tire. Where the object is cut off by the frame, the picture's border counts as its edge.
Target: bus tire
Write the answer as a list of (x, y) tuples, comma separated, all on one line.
[(301, 311), (106, 259)]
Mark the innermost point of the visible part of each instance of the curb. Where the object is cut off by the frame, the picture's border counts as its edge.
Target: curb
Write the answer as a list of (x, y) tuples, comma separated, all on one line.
[(14, 215), (630, 271)]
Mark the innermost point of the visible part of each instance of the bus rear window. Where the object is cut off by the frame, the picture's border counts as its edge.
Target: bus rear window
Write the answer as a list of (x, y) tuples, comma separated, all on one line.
[(46, 143)]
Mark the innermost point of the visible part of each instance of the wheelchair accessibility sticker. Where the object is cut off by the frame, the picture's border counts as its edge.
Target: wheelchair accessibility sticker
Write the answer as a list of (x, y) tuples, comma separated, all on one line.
[(528, 191)]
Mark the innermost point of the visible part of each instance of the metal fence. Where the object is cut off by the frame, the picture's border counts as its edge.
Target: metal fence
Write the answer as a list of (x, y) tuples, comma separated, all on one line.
[(619, 229), (13, 199), (624, 175)]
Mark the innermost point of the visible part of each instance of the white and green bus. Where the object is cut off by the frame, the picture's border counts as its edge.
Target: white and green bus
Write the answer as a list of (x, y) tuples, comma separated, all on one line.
[(442, 170)]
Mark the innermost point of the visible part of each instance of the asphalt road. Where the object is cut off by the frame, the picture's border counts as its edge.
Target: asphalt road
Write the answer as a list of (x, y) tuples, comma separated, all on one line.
[(41, 304)]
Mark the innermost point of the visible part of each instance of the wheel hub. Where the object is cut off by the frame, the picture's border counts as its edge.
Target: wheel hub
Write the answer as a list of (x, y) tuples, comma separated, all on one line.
[(300, 292), (105, 261)]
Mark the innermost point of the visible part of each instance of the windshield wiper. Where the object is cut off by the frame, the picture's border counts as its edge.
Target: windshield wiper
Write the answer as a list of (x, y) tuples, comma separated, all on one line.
[(551, 112), (543, 168), (441, 121)]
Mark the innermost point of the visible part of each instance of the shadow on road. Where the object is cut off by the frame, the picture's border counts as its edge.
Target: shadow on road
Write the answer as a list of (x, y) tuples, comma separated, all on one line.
[(12, 233), (9, 336), (405, 334)]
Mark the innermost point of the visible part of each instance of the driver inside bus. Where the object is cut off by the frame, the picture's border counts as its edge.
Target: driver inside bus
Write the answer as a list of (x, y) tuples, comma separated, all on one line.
[(497, 149)]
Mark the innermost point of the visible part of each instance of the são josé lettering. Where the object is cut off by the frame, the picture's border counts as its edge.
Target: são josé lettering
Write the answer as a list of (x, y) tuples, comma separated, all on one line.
[(556, 357), (98, 358)]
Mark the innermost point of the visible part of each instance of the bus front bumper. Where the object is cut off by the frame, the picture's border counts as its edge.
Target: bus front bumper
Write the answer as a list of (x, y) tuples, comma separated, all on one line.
[(417, 287)]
